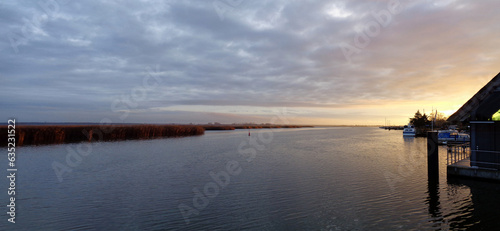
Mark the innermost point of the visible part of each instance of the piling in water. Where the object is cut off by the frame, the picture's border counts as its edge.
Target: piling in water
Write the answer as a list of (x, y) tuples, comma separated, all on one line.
[(432, 156)]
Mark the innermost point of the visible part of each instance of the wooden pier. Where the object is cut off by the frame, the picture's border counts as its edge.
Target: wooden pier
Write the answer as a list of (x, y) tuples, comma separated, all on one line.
[(392, 127)]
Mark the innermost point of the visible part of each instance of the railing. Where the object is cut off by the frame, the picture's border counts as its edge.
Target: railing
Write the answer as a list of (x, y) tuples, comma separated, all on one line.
[(489, 159), (457, 152)]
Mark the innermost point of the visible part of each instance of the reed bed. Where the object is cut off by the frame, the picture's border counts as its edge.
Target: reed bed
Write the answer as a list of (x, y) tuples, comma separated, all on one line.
[(60, 134), (42, 135)]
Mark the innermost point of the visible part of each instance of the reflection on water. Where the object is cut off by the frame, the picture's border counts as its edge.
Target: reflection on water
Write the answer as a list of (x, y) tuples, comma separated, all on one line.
[(433, 201), (409, 139), (476, 203), (304, 179)]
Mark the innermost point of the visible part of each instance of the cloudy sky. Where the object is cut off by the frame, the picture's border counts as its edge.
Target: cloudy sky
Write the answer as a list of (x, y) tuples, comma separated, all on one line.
[(315, 62)]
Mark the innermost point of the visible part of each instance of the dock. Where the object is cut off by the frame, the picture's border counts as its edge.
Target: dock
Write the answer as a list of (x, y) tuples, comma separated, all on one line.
[(459, 164), (482, 158), (392, 127)]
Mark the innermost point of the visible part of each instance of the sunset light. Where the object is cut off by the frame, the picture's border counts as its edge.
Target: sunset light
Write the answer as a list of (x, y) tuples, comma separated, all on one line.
[(331, 63), (250, 115)]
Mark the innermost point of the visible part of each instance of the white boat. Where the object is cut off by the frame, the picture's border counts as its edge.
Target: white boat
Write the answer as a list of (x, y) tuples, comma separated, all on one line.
[(409, 130), (452, 136)]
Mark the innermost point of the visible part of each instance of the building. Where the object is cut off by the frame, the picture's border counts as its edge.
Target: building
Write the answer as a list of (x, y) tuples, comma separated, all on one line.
[(479, 111)]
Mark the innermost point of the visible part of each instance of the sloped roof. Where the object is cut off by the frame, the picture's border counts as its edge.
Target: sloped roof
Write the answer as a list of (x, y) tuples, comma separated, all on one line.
[(488, 96)]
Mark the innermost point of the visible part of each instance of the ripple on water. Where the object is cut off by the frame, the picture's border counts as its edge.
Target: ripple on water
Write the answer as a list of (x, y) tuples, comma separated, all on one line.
[(309, 179)]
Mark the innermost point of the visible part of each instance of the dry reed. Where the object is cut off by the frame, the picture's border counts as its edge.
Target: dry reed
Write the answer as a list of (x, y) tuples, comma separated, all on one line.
[(45, 134)]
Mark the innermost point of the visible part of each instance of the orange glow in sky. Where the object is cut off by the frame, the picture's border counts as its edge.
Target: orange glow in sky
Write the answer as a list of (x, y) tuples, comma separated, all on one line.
[(327, 62)]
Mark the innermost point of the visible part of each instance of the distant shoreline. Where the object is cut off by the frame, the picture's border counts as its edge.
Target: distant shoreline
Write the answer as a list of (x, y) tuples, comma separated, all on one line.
[(48, 134)]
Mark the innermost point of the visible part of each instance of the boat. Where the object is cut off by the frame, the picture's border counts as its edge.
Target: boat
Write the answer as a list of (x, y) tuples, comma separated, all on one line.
[(409, 130), (452, 136)]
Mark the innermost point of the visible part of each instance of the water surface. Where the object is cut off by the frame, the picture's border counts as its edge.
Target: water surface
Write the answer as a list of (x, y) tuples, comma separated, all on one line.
[(289, 179)]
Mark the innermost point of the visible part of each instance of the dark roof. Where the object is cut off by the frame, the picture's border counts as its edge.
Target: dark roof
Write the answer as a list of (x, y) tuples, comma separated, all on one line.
[(485, 102)]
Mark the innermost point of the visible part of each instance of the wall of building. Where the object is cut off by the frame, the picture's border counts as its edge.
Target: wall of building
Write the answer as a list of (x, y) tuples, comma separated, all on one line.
[(485, 140)]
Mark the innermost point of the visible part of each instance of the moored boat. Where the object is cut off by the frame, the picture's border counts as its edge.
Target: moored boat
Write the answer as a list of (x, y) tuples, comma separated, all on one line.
[(452, 136), (409, 130)]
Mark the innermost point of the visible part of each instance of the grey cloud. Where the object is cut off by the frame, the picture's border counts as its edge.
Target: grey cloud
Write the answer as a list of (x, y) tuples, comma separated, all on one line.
[(266, 54)]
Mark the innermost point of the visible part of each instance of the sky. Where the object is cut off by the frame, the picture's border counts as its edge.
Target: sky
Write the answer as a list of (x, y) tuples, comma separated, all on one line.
[(233, 61)]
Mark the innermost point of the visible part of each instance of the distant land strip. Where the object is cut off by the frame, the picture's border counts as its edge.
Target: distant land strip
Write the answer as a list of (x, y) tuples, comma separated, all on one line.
[(60, 134), (249, 126)]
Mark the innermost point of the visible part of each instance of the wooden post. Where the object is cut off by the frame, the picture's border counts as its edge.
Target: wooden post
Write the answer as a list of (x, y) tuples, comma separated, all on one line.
[(432, 156), (433, 174)]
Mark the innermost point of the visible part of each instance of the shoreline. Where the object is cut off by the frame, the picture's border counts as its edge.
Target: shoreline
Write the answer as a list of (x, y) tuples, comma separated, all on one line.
[(33, 135), (61, 134)]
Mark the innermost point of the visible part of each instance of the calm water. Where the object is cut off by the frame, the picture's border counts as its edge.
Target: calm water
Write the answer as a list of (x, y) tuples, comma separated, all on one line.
[(290, 179)]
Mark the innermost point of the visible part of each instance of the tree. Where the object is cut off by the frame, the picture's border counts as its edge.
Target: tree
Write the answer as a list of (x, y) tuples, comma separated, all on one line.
[(440, 121), (419, 120)]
